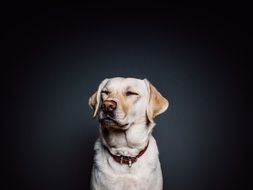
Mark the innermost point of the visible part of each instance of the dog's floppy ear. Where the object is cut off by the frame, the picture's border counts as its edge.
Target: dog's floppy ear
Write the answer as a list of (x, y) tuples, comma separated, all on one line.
[(94, 100), (157, 103)]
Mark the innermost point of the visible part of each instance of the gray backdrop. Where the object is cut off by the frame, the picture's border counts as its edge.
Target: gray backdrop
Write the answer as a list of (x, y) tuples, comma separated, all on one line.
[(59, 56)]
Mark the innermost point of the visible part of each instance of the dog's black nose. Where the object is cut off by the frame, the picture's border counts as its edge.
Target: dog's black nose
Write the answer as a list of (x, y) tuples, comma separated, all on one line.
[(109, 106)]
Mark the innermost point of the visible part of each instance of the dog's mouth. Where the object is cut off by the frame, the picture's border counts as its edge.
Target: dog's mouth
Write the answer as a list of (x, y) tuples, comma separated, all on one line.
[(109, 121)]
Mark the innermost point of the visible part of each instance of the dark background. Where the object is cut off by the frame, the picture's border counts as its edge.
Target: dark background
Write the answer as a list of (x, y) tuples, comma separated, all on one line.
[(55, 56)]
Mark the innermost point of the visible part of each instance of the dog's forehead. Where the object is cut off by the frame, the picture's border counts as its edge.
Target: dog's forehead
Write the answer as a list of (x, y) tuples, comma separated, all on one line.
[(126, 83)]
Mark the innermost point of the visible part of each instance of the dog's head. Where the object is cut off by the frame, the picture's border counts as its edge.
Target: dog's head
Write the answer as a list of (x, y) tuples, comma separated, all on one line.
[(121, 102)]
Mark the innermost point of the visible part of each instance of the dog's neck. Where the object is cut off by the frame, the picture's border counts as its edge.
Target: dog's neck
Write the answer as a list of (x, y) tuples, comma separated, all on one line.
[(126, 142)]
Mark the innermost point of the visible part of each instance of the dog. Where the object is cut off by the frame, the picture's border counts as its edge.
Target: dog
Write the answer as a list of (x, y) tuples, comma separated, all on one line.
[(126, 153)]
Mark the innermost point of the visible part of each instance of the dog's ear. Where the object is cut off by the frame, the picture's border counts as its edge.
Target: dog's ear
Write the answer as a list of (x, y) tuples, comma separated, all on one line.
[(157, 103), (94, 100)]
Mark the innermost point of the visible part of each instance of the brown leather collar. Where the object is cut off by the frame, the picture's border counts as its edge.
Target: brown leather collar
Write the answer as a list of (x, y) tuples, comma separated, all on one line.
[(127, 159)]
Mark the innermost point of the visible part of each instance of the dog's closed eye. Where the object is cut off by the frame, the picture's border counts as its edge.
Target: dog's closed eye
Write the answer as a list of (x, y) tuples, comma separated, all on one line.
[(131, 93), (105, 92)]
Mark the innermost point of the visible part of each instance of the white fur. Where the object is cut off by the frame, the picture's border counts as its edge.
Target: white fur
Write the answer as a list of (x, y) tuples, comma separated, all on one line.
[(145, 174)]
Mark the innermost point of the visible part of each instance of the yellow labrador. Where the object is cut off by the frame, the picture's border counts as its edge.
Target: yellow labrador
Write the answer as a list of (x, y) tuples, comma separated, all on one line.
[(126, 154)]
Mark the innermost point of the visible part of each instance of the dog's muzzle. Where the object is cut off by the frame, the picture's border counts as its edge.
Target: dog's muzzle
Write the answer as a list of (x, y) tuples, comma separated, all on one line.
[(107, 116)]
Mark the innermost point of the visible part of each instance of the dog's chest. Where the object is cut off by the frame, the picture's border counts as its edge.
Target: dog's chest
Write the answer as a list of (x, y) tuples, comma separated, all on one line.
[(131, 183), (145, 174), (126, 182)]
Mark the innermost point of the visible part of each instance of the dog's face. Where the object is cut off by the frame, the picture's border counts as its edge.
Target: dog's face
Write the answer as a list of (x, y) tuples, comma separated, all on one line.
[(122, 102)]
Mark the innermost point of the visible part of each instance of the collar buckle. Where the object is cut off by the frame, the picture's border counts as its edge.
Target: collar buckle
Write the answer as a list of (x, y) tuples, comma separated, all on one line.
[(129, 163)]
